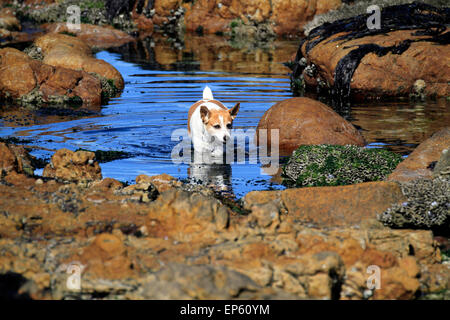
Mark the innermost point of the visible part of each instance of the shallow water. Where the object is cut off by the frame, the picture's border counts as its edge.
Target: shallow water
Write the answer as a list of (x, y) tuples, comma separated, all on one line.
[(163, 79)]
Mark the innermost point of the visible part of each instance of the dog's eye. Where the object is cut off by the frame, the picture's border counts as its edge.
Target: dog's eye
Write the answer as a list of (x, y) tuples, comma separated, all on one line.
[(229, 126), (217, 126)]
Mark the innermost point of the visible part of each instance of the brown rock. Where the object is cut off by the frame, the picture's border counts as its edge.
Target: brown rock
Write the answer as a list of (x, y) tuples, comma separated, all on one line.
[(388, 75), (73, 166), (162, 182), (303, 121), (62, 50), (333, 206), (106, 258), (8, 20), (186, 216), (417, 164), (8, 160), (48, 81), (289, 16), (93, 35)]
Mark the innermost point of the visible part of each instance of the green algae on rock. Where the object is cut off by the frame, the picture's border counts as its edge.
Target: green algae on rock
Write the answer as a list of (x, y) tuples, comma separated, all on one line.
[(332, 165)]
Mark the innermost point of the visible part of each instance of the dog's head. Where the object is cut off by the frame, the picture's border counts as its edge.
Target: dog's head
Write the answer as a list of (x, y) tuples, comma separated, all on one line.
[(218, 122)]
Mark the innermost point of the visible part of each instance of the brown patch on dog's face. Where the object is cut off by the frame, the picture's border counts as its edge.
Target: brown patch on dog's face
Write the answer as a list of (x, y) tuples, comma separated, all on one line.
[(218, 123)]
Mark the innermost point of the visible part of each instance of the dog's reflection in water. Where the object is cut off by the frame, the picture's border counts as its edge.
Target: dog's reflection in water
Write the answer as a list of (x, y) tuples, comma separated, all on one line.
[(211, 172)]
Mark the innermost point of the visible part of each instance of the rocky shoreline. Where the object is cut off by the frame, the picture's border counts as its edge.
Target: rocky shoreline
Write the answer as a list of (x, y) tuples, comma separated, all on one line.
[(160, 238)]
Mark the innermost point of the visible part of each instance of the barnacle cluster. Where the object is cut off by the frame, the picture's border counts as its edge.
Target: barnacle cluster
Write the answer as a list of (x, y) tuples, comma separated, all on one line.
[(427, 207), (428, 204), (332, 165)]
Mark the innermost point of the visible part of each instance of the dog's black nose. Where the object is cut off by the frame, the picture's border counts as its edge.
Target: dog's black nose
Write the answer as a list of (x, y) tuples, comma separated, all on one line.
[(225, 138)]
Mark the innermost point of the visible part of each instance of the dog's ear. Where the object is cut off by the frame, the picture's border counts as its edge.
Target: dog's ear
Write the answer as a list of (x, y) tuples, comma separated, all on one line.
[(204, 114), (234, 110)]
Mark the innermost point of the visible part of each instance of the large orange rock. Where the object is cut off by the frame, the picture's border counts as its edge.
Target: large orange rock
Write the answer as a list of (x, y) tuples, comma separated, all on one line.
[(73, 166), (62, 50), (20, 75), (303, 121), (332, 206), (388, 75), (417, 164)]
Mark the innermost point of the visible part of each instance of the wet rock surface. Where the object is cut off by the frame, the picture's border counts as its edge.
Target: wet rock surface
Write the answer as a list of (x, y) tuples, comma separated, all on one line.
[(304, 121), (155, 240), (422, 160), (71, 52), (350, 60), (41, 83)]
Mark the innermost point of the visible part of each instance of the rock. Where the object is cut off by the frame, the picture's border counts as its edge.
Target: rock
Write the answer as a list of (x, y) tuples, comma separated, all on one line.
[(94, 36), (73, 166), (106, 257), (162, 182), (442, 167), (42, 83), (417, 164), (188, 245), (325, 165), (350, 62), (199, 282), (62, 50), (332, 207), (286, 16), (187, 215), (303, 121), (15, 158), (290, 16), (8, 160), (142, 191), (427, 206), (8, 20), (266, 215)]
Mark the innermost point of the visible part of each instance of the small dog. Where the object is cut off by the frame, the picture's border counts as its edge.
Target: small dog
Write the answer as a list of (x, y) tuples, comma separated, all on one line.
[(210, 123)]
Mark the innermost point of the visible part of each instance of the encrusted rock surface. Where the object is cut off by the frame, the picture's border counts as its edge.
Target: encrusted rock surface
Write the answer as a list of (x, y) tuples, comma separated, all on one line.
[(67, 165), (182, 244)]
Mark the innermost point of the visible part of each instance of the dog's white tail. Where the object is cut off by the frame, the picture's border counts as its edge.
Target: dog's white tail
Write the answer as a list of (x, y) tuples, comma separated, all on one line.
[(207, 94)]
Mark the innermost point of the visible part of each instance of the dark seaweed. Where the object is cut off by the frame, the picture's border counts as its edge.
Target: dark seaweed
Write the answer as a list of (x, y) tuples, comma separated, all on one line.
[(428, 20)]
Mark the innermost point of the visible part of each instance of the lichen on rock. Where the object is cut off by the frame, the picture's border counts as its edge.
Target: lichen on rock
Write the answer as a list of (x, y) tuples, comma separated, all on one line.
[(332, 165)]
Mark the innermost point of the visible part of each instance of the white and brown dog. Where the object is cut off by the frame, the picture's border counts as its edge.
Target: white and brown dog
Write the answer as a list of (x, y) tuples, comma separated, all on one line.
[(210, 123)]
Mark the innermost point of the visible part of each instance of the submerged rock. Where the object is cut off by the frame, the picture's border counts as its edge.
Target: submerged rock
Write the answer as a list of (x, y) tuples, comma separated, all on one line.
[(352, 61), (322, 165), (303, 121)]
